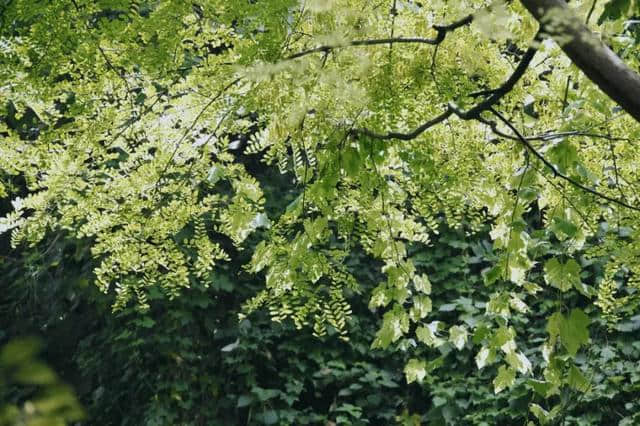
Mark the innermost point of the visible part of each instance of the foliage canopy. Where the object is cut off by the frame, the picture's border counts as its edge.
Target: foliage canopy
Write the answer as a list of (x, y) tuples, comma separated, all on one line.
[(140, 126)]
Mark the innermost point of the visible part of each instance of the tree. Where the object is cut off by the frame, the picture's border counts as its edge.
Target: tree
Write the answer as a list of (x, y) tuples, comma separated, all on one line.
[(141, 126)]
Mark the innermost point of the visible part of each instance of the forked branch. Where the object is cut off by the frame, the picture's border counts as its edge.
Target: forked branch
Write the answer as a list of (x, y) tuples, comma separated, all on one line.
[(473, 113)]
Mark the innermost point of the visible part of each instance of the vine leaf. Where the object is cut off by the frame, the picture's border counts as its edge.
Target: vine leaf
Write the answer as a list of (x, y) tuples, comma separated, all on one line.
[(562, 276), (572, 330), (415, 370), (505, 378)]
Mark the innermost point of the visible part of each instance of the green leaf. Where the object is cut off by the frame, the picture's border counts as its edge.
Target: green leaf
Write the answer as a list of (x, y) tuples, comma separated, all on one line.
[(265, 394), (541, 387), (564, 155), (244, 400), (563, 225), (540, 413), (35, 373), (554, 324), (146, 322), (518, 361), (577, 380), (575, 331), (415, 370), (215, 174), (458, 336), (351, 161), (231, 346), (19, 351), (428, 334), (506, 378), (270, 417), (562, 276), (421, 307), (448, 307), (491, 275), (395, 324), (422, 283), (484, 357), (295, 204)]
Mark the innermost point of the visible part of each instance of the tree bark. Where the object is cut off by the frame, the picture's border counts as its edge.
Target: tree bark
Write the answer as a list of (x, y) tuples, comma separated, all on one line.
[(600, 64)]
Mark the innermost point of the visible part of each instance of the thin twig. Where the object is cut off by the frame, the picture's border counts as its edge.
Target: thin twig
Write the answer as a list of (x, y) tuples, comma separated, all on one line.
[(555, 170), (190, 128), (515, 208), (552, 136), (593, 6)]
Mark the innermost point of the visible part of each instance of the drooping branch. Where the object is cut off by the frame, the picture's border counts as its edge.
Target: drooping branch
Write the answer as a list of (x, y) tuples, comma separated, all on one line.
[(599, 63), (441, 29), (555, 170)]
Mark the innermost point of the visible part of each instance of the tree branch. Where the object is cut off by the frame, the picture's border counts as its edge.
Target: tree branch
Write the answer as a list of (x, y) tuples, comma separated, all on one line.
[(405, 136), (441, 29), (505, 88), (599, 63)]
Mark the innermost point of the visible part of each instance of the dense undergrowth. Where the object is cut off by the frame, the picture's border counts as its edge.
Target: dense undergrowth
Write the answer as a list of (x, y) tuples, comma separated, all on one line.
[(191, 360)]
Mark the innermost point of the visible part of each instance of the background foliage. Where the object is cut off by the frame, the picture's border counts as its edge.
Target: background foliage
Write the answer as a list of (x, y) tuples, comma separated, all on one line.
[(190, 361)]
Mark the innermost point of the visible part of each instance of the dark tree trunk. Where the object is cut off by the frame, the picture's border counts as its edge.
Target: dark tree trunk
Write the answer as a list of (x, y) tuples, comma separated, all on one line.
[(589, 53)]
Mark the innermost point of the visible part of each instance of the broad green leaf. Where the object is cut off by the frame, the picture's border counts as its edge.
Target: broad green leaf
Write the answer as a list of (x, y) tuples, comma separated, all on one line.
[(231, 346), (415, 370), (564, 155), (562, 225), (351, 160), (577, 380), (562, 276), (543, 416), (574, 331), (244, 400), (395, 324), (421, 307), (215, 174), (458, 336), (270, 417), (35, 373), (541, 387), (19, 351), (491, 275), (422, 284), (506, 378), (554, 325), (428, 334), (518, 361), (484, 357)]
